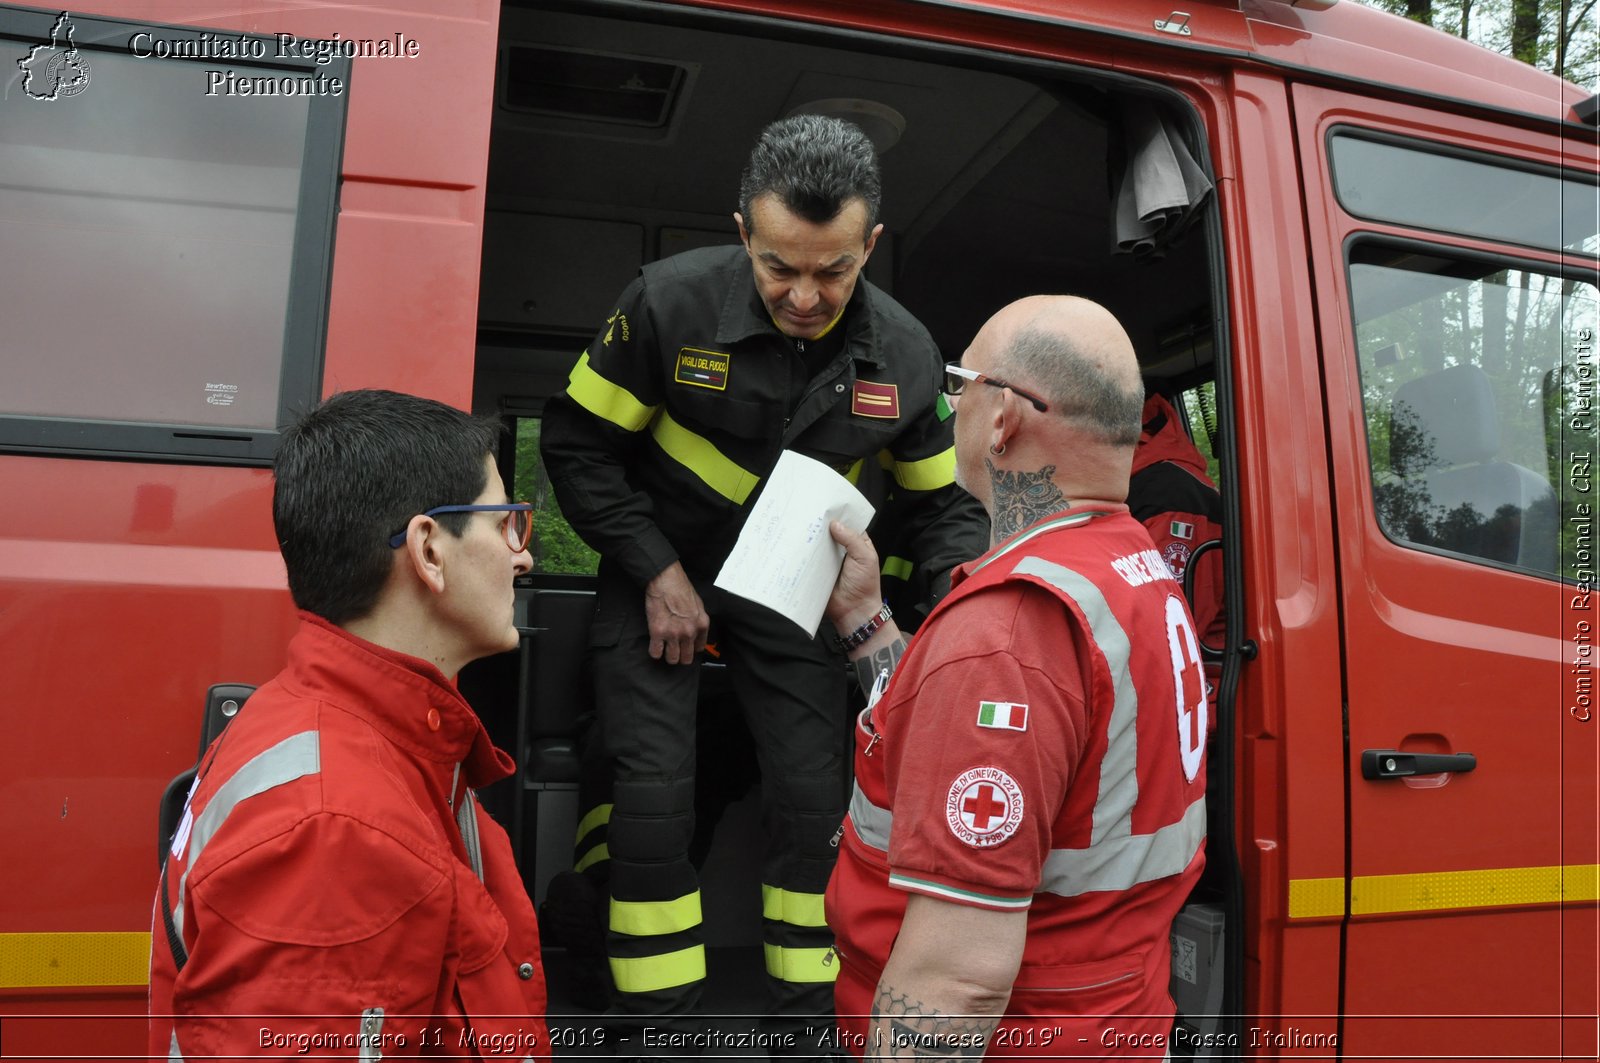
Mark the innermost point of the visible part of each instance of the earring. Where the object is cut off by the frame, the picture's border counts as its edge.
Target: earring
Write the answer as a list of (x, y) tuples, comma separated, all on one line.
[(997, 451)]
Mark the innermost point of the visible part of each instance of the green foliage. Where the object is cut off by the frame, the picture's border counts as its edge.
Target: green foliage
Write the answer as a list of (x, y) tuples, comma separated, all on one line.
[(1560, 36), (555, 547)]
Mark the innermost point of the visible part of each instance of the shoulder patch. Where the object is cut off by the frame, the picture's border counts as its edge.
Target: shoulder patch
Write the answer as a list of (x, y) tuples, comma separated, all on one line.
[(1003, 715), (1176, 555), (984, 807), (703, 369)]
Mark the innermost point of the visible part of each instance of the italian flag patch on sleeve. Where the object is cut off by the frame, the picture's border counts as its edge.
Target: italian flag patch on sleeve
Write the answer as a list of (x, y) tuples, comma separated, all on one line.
[(1003, 715)]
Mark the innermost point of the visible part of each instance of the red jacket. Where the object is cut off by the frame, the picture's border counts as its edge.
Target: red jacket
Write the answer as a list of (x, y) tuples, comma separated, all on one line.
[(1171, 495), (321, 885), (1041, 748)]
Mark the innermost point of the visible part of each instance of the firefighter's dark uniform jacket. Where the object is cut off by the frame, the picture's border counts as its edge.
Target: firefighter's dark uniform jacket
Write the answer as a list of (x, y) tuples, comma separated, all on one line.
[(680, 408), (657, 449)]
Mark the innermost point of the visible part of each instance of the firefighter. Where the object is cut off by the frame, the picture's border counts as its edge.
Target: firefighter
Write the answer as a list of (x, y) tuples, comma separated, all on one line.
[(712, 363), (333, 883), (1029, 812)]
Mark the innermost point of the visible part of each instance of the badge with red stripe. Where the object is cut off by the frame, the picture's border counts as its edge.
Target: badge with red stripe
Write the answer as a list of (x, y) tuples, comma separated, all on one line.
[(868, 399)]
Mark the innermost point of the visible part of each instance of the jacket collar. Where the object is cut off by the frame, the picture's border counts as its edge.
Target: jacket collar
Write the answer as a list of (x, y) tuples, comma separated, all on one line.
[(404, 698), (745, 315), (1163, 439)]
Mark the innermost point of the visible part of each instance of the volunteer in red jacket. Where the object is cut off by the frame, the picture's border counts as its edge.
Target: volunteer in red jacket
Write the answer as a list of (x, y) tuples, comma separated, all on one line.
[(1029, 811), (1171, 494), (334, 888)]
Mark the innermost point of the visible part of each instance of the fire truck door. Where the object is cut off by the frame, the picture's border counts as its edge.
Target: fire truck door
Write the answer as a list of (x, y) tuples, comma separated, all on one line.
[(1454, 367)]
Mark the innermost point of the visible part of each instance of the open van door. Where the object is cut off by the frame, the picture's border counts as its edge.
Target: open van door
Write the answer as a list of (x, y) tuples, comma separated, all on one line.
[(1454, 271)]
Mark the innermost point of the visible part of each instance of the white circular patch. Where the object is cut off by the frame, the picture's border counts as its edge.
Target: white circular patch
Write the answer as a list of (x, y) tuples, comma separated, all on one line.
[(984, 807), (1176, 555)]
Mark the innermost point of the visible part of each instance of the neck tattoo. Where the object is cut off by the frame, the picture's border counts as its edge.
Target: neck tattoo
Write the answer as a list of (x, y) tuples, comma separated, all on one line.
[(1022, 498)]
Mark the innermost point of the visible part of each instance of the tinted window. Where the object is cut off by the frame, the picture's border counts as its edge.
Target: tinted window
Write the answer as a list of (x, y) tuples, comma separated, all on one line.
[(1478, 383), (1389, 182), (167, 243)]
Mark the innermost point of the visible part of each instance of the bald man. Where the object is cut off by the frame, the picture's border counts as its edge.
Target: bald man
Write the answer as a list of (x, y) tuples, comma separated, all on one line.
[(1029, 806)]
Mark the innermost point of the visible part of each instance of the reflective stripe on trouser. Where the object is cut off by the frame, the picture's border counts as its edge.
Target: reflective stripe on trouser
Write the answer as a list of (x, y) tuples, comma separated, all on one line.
[(592, 848), (796, 942), (792, 692)]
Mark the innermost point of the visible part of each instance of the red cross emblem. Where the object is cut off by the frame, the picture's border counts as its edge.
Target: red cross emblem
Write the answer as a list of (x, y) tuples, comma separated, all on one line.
[(984, 807)]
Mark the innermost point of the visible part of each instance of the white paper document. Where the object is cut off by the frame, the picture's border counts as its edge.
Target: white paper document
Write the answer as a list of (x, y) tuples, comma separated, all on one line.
[(785, 559)]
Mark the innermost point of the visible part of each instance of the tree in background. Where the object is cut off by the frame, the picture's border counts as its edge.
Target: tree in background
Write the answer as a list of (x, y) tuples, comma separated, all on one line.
[(1561, 36)]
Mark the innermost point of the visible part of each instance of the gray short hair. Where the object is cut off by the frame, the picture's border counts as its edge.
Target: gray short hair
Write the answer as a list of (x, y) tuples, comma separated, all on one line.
[(1076, 385), (814, 165)]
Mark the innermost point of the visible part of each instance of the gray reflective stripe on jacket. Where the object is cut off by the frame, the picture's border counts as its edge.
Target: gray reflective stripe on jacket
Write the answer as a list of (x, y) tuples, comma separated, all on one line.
[(295, 756), (1119, 774), (1116, 858)]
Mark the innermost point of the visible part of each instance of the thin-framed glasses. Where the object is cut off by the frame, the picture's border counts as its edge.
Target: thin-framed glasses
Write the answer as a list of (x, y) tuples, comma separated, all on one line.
[(517, 524), (956, 376)]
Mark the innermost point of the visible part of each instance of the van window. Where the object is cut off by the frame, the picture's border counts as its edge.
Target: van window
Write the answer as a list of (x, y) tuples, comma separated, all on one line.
[(1200, 416), (1449, 193), (1478, 385), (555, 546), (170, 235)]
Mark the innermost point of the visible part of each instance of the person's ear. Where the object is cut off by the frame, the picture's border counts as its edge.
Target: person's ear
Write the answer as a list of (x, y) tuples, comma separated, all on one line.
[(872, 241), (1007, 420), (423, 554), (744, 234)]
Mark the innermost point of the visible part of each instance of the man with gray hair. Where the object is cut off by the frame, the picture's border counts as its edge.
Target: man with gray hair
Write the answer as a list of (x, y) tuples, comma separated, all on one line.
[(1029, 811), (713, 363)]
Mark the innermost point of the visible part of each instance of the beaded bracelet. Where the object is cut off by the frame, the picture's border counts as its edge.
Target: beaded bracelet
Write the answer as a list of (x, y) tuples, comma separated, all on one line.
[(865, 631)]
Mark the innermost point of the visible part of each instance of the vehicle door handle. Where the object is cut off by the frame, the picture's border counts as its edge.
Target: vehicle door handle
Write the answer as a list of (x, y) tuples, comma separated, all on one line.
[(1393, 764)]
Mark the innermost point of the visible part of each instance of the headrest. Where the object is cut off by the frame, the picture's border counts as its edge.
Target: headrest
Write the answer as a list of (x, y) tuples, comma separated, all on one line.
[(1443, 419)]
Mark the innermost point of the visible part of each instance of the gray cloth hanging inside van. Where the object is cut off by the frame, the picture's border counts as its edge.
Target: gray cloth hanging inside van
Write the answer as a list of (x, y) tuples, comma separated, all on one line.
[(1158, 187)]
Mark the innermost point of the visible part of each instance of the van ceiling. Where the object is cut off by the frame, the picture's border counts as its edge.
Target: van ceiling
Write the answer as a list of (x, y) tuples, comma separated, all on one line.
[(996, 189)]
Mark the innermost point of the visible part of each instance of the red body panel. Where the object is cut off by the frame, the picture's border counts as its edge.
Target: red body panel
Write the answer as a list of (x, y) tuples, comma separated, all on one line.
[(127, 589)]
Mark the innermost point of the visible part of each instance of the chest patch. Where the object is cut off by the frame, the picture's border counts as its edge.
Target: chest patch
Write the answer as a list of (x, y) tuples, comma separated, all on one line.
[(703, 369), (869, 399), (983, 807)]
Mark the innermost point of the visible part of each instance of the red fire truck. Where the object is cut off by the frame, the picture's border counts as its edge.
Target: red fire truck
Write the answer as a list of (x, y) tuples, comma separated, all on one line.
[(1359, 254)]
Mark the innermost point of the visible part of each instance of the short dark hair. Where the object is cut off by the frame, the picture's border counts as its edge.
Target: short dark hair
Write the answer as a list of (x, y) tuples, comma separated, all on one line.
[(354, 471), (1076, 386), (814, 165)]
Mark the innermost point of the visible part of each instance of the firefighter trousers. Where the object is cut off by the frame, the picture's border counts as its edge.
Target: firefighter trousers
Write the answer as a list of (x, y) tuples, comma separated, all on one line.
[(792, 691)]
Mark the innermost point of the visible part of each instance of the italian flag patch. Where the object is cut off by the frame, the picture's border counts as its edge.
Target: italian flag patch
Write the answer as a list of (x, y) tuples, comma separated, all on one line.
[(1003, 715)]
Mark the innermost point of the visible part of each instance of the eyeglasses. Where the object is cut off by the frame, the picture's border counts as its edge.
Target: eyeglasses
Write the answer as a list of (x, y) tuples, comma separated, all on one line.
[(517, 523), (956, 376)]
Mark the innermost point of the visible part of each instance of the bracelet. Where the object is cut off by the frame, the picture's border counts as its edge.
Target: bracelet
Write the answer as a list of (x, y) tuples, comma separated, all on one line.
[(865, 631)]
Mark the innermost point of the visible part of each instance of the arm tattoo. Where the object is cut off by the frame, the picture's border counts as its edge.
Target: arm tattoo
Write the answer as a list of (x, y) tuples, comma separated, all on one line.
[(1021, 498), (903, 1028), (868, 667)]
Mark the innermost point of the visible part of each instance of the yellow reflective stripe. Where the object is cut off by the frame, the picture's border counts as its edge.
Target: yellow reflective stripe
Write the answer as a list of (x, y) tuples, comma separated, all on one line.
[(927, 474), (788, 906), (853, 473), (1314, 898), (696, 454), (608, 401), (647, 974), (897, 567), (653, 918), (592, 857), (32, 961), (1497, 887), (800, 965), (598, 816)]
